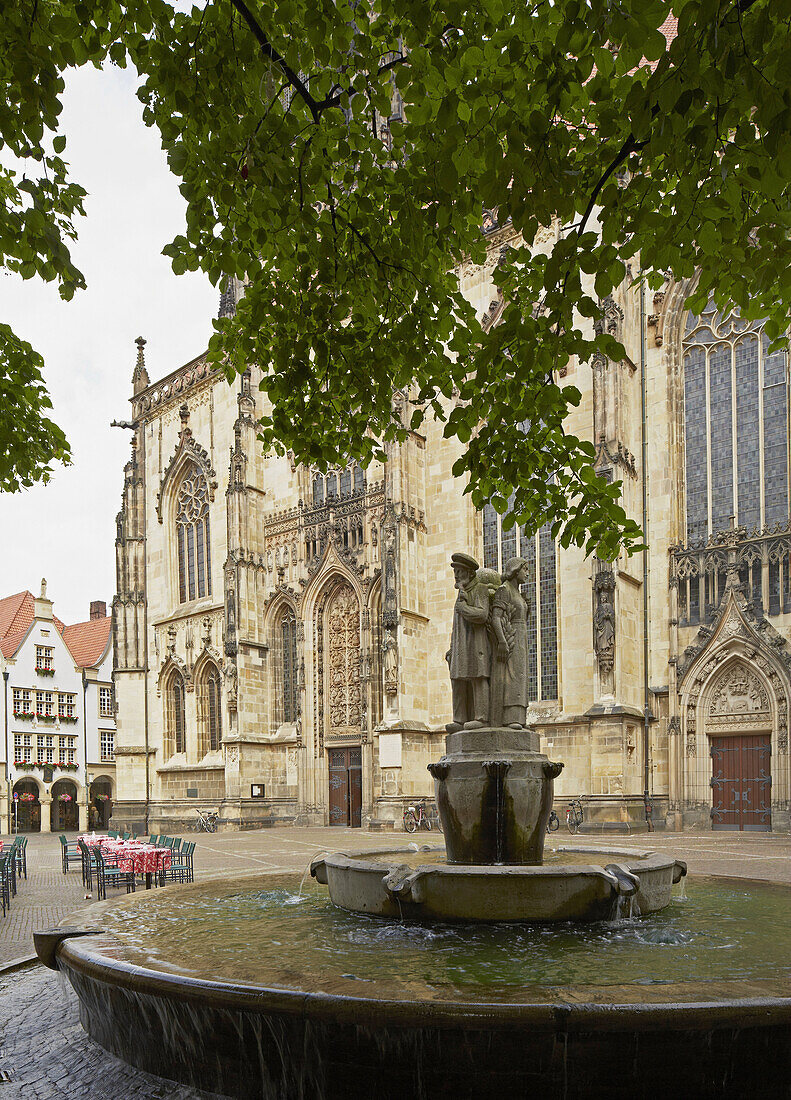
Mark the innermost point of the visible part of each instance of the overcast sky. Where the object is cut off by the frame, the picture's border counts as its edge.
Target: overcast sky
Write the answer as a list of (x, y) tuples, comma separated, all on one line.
[(65, 531)]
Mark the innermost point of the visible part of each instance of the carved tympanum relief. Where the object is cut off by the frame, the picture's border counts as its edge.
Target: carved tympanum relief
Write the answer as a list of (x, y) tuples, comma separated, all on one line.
[(343, 654), (738, 698)]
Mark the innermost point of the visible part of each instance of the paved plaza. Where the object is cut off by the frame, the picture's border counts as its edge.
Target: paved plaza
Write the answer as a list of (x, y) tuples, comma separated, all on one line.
[(43, 1051)]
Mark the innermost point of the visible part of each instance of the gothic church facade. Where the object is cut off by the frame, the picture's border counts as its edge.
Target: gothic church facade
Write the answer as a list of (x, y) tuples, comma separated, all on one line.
[(280, 632)]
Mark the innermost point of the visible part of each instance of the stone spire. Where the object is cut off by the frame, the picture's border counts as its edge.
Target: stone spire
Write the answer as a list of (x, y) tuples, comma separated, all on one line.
[(229, 297), (140, 379)]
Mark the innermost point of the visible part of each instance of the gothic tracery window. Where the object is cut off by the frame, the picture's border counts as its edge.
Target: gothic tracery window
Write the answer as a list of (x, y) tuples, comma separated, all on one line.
[(736, 425), (192, 536), (540, 590), (287, 702), (175, 727), (210, 703)]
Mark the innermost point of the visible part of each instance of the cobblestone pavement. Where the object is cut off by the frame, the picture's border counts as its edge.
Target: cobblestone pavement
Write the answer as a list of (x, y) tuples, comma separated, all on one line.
[(45, 1054)]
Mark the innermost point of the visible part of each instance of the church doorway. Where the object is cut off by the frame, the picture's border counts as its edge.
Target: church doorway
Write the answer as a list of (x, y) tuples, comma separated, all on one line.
[(346, 787), (741, 783)]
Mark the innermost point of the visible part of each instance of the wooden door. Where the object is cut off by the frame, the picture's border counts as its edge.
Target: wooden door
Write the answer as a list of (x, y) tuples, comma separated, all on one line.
[(741, 783), (346, 787)]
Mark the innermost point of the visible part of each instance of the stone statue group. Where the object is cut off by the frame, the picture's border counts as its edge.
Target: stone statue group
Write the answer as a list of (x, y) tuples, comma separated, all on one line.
[(488, 645)]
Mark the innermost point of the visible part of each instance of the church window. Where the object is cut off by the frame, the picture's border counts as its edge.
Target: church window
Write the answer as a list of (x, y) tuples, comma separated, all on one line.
[(175, 728), (210, 705), (332, 487), (540, 590), (346, 483), (736, 426), (192, 537), (288, 637), (318, 490), (359, 479)]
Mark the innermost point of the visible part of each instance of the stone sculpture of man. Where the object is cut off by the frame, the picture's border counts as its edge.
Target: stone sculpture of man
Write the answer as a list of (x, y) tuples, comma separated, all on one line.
[(509, 670), (469, 656)]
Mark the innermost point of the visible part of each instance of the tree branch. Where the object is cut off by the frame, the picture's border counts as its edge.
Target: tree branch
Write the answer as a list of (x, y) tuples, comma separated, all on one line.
[(269, 51)]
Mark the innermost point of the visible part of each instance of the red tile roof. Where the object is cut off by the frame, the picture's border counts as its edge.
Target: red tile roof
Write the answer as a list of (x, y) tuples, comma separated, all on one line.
[(87, 641), (16, 613), (11, 643)]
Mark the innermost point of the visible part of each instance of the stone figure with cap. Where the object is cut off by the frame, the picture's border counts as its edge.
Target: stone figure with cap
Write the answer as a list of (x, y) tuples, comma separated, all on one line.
[(470, 656), (508, 688)]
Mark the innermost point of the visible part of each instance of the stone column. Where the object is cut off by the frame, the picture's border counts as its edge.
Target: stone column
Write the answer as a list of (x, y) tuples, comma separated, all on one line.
[(83, 824), (46, 813)]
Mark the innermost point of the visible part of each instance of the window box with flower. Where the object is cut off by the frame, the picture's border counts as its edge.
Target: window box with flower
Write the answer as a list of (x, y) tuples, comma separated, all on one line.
[(24, 765), (45, 671), (26, 796), (68, 718), (24, 715), (67, 767)]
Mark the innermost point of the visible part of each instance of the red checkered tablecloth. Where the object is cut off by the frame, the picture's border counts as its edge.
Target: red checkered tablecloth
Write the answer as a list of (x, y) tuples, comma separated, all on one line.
[(140, 858)]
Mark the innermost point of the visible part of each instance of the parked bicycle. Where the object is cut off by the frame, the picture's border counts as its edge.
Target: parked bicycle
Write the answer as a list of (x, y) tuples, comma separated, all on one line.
[(207, 820), (415, 817), (554, 822), (574, 816)]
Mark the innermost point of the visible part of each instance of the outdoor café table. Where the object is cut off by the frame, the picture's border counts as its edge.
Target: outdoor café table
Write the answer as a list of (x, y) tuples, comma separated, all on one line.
[(143, 859)]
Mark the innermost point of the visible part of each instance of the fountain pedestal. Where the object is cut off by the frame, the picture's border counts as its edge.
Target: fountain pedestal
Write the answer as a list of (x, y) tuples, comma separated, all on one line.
[(494, 796)]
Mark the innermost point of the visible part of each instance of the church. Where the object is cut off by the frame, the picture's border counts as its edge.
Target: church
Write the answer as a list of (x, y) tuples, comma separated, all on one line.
[(280, 632)]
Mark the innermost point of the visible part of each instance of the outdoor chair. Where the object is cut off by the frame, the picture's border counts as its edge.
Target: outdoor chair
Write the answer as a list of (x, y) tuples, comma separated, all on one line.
[(70, 853), (11, 857), (20, 855), (180, 869), (6, 871), (113, 834), (87, 865), (107, 875), (153, 838), (176, 843)]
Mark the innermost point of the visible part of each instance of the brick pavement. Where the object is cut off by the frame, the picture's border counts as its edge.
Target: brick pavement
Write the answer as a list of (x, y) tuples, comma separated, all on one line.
[(44, 1053)]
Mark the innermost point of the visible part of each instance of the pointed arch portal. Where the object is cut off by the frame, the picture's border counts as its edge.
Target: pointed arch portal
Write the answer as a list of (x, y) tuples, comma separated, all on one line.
[(738, 723)]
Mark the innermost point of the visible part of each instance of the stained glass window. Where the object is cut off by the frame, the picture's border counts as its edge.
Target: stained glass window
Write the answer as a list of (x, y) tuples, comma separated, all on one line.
[(211, 707), (318, 490), (288, 639), (540, 591), (192, 537), (733, 390), (176, 730)]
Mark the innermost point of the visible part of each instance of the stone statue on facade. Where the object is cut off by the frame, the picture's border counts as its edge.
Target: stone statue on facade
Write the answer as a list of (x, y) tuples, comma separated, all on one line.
[(469, 657), (508, 686)]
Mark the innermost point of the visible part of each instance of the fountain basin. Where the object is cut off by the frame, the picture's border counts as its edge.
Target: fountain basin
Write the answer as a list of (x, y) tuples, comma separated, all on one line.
[(432, 891), (282, 1023)]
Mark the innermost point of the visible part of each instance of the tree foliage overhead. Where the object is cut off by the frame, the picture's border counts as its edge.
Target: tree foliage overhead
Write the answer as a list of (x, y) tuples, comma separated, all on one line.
[(337, 156)]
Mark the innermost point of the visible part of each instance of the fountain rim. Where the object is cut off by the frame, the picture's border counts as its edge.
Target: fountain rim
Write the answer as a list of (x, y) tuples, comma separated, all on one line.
[(541, 1014), (647, 859), (689, 1005)]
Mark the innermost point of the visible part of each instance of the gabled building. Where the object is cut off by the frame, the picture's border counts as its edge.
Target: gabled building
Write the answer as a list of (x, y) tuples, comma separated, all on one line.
[(58, 744)]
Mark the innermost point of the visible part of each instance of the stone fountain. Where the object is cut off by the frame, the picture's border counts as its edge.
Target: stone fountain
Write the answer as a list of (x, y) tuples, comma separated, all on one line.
[(494, 794), (282, 996)]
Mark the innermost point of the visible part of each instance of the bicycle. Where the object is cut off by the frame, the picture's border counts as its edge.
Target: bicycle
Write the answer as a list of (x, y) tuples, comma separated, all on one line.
[(415, 817), (207, 820), (574, 816), (554, 822)]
